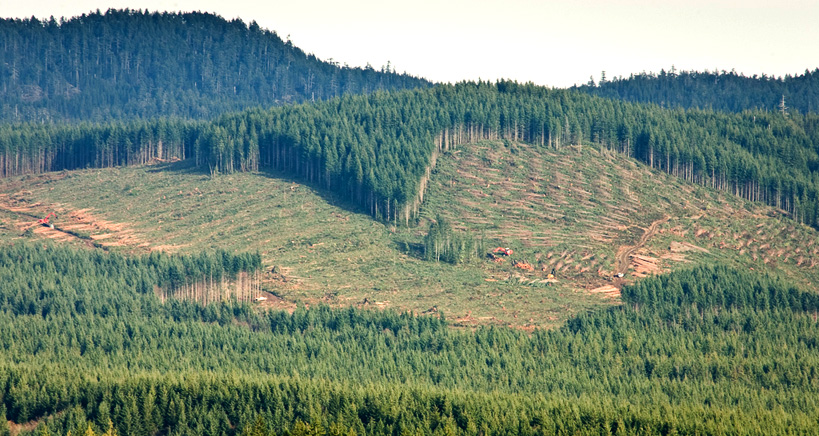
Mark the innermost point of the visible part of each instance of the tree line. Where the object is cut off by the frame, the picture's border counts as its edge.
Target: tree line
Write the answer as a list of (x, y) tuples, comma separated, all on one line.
[(726, 91), (56, 281)]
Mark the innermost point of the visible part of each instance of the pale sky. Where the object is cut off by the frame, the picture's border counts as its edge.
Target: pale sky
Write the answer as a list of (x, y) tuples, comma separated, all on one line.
[(554, 43)]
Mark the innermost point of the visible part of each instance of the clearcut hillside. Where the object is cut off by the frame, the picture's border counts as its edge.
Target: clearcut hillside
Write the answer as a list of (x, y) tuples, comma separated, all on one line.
[(584, 213)]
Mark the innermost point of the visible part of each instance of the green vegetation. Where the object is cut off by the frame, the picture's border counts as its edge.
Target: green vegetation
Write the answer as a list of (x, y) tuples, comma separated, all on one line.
[(443, 244), (313, 249), (718, 90), (376, 151), (127, 64), (570, 209), (103, 331), (763, 157), (714, 349)]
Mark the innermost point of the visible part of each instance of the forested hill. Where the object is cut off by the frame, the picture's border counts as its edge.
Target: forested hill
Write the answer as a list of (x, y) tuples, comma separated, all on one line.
[(722, 91), (377, 150), (132, 64)]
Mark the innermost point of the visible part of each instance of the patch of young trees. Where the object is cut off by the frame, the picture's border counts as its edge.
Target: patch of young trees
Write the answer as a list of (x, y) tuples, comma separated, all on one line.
[(443, 244), (55, 281)]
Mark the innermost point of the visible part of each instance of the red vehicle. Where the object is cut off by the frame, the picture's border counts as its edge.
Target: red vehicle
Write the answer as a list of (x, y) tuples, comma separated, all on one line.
[(44, 221), (502, 251)]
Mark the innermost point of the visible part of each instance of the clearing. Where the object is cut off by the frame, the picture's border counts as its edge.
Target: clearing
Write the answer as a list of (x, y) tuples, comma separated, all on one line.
[(583, 213)]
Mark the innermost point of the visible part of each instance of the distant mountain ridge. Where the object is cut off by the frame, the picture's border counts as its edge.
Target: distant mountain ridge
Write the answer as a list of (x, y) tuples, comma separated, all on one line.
[(721, 91), (124, 64)]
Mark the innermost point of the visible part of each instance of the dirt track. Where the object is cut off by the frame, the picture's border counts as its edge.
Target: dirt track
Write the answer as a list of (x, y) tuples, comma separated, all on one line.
[(623, 257)]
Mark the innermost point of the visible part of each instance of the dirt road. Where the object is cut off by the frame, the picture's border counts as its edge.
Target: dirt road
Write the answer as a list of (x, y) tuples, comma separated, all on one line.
[(623, 257)]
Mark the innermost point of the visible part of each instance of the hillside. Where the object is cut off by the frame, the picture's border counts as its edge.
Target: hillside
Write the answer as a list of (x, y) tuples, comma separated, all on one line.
[(375, 150), (206, 231), (87, 346), (99, 330), (585, 213), (126, 64), (590, 214), (720, 91)]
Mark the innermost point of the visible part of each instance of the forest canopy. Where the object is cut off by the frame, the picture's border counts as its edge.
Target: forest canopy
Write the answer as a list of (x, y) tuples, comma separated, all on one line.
[(95, 342), (726, 91), (133, 64), (86, 342)]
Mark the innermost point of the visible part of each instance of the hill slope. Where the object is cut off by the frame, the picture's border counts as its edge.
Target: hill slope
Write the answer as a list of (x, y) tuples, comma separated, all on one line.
[(125, 64), (376, 150), (587, 214), (87, 346), (590, 214)]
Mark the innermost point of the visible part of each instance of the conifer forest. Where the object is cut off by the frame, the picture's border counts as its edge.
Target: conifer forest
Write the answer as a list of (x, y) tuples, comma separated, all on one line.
[(154, 338)]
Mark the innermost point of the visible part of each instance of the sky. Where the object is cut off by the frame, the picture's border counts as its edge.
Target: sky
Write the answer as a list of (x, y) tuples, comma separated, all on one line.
[(552, 43)]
